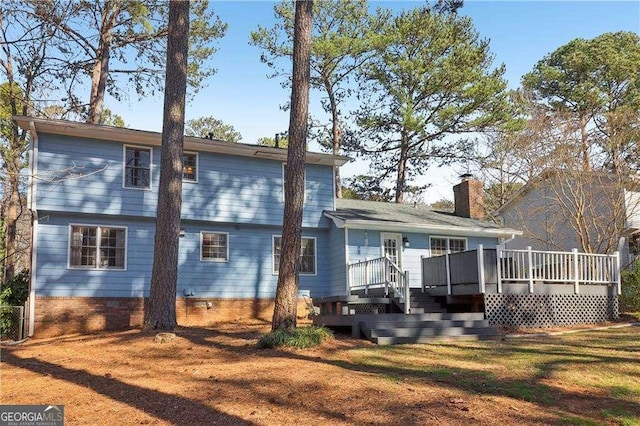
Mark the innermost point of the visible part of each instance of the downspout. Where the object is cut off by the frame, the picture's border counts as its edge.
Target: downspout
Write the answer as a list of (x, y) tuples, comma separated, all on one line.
[(33, 170), (508, 240)]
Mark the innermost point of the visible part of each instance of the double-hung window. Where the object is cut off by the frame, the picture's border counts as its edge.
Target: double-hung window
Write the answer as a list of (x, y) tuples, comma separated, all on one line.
[(97, 247), (214, 246), (442, 245), (307, 255), (137, 167), (190, 167)]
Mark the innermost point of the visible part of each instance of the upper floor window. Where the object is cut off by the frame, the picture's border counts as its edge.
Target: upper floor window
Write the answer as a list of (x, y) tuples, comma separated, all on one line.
[(443, 245), (97, 247), (307, 255), (137, 167), (214, 246), (190, 167), (284, 178)]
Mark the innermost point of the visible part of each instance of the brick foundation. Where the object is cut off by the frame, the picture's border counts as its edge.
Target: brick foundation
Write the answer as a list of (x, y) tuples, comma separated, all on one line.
[(65, 315)]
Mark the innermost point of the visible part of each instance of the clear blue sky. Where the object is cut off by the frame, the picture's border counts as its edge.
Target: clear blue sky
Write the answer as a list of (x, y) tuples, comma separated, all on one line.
[(520, 34)]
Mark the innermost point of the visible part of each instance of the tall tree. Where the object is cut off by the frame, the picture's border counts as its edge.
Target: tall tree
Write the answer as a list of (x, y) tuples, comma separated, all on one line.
[(285, 310), (212, 128), (431, 78), (161, 310), (595, 85), (100, 39), (340, 44), (26, 75), (281, 142)]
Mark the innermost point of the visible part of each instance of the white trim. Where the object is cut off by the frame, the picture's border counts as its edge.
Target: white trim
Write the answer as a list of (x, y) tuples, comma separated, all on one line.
[(422, 228), (304, 200), (346, 258), (275, 271), (333, 185), (124, 167), (33, 170), (197, 166), (131, 136), (215, 260), (98, 237), (398, 238), (448, 237)]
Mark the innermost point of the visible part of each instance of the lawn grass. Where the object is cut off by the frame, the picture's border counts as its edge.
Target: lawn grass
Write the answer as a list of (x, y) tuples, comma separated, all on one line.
[(599, 369)]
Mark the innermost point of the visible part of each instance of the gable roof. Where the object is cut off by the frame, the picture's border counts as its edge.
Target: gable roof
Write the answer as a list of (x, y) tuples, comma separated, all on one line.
[(144, 137), (631, 183), (386, 216)]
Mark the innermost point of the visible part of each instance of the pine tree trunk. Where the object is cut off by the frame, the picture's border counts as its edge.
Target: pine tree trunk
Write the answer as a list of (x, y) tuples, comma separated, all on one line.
[(284, 314), (101, 65), (161, 310), (402, 169), (336, 133)]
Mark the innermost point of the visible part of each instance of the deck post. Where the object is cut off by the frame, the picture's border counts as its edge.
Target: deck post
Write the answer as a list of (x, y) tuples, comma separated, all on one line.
[(498, 269), (422, 283), (530, 265), (407, 294), (366, 276), (481, 268), (448, 268), (576, 277), (386, 277), (617, 273)]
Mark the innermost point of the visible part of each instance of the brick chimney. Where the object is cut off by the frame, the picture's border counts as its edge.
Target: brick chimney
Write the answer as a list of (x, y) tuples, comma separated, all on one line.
[(468, 198)]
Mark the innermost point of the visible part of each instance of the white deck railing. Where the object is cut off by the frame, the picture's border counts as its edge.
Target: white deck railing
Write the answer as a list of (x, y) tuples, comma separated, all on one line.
[(520, 266), (380, 273), (557, 267)]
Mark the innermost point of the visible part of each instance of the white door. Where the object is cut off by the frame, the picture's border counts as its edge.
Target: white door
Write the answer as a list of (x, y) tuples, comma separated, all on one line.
[(391, 248)]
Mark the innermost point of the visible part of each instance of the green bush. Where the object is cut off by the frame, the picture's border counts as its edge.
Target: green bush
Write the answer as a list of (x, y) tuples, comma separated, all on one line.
[(12, 293), (15, 291), (304, 337), (630, 297)]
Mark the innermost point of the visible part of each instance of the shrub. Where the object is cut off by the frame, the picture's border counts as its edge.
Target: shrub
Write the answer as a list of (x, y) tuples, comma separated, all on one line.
[(630, 297), (14, 292), (304, 337)]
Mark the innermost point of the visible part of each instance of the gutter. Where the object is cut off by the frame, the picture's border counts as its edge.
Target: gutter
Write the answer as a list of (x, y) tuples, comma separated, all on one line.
[(33, 170)]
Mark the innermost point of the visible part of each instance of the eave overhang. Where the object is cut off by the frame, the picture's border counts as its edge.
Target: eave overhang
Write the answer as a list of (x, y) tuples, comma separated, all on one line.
[(144, 137)]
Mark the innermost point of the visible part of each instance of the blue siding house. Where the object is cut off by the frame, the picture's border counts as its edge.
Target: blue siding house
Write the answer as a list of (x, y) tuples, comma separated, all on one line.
[(93, 194)]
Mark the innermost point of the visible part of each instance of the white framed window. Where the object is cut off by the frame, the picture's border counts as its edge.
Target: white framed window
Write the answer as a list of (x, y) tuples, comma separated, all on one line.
[(308, 255), (190, 167), (214, 246), (284, 173), (137, 167), (443, 245), (97, 247)]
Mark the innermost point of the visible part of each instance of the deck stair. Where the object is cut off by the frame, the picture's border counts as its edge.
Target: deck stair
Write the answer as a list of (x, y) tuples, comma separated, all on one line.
[(425, 328), (428, 321)]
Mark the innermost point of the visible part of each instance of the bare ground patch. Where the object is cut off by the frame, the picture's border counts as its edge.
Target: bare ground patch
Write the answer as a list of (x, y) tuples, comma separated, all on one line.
[(217, 376)]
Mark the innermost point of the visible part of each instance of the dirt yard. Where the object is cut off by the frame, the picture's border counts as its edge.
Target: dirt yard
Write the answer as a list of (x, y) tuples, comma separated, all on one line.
[(217, 376)]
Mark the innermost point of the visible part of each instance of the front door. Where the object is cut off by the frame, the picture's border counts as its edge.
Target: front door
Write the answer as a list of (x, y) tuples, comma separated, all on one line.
[(391, 248)]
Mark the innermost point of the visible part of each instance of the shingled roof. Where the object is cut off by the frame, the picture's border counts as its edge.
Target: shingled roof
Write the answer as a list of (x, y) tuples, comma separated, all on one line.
[(409, 218)]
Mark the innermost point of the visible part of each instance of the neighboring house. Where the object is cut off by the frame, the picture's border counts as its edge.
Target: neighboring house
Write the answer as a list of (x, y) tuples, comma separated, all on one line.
[(93, 193), (589, 211)]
